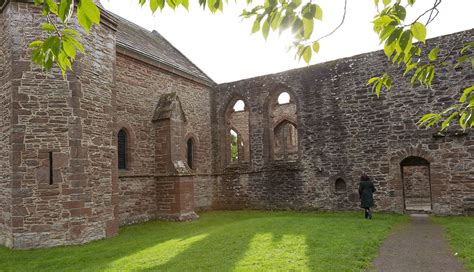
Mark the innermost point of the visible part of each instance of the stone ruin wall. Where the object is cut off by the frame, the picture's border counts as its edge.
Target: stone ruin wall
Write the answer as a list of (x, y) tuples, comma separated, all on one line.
[(345, 130), (5, 118), (71, 120), (138, 88)]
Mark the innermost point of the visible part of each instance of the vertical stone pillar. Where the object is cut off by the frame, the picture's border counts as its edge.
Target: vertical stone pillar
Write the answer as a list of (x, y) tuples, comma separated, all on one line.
[(175, 183)]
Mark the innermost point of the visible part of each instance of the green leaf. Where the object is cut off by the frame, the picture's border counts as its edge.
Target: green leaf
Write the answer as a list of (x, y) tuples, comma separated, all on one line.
[(378, 88), (466, 93), (154, 5), (70, 49), (386, 2), (276, 20), (376, 2), (319, 13), (404, 39), (372, 80), (419, 31), (48, 27), (307, 52), (383, 21), (463, 120), (426, 118), (410, 67), (265, 29), (309, 11), (466, 47), (73, 41), (185, 4), (394, 36), (385, 33), (51, 6), (411, 2), (35, 44), (461, 60), (448, 120), (400, 11), (433, 55), (389, 49), (316, 46), (308, 27), (71, 32), (256, 26), (88, 14), (66, 9)]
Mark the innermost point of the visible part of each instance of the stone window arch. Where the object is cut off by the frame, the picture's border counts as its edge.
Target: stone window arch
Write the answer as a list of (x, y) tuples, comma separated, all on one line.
[(283, 127), (122, 149), (340, 186), (237, 133)]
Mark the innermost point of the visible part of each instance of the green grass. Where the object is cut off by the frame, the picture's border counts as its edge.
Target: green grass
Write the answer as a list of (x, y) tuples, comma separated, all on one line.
[(460, 233), (223, 241)]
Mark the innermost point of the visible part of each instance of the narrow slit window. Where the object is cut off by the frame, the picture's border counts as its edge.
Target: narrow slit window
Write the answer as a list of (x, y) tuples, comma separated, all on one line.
[(234, 147), (122, 149), (51, 168), (190, 150)]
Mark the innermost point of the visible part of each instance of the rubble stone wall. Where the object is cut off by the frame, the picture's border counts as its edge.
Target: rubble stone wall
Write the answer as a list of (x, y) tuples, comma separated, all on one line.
[(345, 130), (5, 129)]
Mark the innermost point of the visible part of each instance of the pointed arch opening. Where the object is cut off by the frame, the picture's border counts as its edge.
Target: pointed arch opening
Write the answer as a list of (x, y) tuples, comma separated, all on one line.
[(283, 127), (237, 137)]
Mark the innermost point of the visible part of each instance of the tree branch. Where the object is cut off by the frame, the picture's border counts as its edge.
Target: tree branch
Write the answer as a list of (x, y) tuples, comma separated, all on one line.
[(434, 8), (342, 22)]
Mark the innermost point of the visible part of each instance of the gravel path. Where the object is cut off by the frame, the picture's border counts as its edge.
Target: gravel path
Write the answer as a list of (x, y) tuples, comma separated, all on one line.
[(419, 246)]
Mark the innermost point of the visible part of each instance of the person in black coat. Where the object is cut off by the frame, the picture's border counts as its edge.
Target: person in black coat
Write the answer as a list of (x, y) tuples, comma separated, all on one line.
[(366, 190)]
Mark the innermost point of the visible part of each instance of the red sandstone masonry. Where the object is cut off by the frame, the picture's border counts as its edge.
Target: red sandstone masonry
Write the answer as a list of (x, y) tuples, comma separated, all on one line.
[(146, 84), (6, 221), (71, 118), (345, 130)]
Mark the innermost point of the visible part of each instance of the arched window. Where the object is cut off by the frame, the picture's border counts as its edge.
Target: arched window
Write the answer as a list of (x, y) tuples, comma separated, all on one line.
[(237, 133), (190, 153), (340, 186), (122, 149), (283, 118), (285, 140)]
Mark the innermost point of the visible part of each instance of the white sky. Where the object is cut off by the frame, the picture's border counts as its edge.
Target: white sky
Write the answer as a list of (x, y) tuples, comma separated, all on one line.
[(221, 45)]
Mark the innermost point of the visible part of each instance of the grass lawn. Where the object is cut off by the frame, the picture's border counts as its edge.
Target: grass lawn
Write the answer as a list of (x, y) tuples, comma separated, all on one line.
[(460, 233), (223, 241)]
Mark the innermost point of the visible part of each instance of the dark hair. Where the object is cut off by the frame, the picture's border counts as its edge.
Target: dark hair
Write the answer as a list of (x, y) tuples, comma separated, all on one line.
[(364, 177)]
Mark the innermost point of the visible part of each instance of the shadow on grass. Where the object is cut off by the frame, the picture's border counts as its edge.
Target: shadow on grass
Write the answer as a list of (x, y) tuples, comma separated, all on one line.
[(312, 242), (222, 241)]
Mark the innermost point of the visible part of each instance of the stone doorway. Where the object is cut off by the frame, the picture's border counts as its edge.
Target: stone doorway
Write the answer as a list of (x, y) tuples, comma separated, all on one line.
[(416, 184)]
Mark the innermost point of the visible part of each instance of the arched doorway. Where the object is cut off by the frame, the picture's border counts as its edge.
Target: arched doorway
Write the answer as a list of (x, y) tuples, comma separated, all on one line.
[(416, 184)]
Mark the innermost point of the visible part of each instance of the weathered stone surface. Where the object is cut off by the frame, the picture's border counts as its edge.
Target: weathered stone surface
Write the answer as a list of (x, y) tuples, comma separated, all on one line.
[(343, 131), (50, 128), (59, 177), (5, 130)]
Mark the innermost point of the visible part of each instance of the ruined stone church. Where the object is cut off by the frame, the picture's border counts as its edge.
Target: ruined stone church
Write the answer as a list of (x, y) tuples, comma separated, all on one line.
[(137, 132)]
